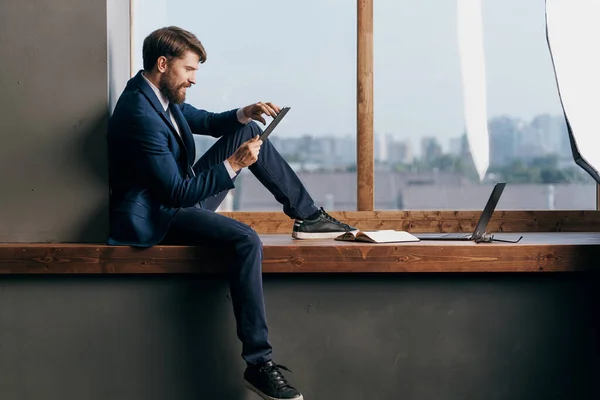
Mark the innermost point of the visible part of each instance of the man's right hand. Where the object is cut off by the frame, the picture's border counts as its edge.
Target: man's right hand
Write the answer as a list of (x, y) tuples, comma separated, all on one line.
[(246, 154)]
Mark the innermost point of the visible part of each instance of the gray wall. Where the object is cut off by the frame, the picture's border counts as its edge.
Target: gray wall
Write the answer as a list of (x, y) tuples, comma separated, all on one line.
[(118, 48), (358, 337), (53, 108)]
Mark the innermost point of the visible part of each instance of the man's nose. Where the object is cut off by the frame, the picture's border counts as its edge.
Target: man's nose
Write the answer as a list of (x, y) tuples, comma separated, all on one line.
[(192, 78)]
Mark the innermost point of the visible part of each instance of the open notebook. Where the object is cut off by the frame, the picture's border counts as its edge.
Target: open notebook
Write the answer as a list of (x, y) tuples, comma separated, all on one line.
[(383, 236)]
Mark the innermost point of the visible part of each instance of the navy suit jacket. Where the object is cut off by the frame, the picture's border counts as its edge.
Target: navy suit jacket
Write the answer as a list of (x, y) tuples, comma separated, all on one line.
[(151, 172)]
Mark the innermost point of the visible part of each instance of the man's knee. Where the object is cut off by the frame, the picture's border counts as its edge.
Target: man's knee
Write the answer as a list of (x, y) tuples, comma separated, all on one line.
[(250, 130), (249, 241), (253, 240)]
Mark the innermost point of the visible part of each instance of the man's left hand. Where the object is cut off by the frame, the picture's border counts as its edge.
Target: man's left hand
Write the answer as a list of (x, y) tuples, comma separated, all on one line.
[(256, 111)]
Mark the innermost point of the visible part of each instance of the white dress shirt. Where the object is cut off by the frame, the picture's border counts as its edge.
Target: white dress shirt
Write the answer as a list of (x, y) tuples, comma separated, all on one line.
[(165, 103)]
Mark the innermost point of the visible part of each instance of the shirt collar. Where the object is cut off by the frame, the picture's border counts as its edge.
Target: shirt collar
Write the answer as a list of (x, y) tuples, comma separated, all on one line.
[(161, 97)]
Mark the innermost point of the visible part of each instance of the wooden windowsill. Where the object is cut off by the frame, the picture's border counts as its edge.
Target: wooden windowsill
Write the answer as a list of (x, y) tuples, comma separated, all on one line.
[(537, 252)]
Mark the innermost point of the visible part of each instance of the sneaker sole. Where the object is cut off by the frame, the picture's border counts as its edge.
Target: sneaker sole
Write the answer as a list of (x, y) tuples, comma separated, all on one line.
[(264, 396), (316, 235)]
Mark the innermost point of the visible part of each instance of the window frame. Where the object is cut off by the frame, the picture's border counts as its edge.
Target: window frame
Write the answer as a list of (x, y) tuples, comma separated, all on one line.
[(365, 160)]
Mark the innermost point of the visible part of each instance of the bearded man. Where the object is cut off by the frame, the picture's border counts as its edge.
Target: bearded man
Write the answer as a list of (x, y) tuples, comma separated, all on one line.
[(160, 195)]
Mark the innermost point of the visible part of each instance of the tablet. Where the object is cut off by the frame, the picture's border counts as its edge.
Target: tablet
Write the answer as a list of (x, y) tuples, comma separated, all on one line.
[(274, 123)]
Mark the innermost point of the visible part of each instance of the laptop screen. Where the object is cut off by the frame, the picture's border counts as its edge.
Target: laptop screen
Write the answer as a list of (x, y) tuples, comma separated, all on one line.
[(486, 215)]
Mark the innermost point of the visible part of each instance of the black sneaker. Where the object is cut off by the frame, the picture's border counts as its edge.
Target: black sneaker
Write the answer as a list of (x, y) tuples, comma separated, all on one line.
[(324, 226), (267, 381)]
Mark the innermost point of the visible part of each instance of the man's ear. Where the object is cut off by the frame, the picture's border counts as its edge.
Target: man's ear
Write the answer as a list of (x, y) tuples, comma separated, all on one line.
[(161, 64)]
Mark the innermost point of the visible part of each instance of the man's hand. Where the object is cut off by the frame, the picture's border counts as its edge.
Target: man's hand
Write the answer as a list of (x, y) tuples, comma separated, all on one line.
[(246, 154), (255, 111)]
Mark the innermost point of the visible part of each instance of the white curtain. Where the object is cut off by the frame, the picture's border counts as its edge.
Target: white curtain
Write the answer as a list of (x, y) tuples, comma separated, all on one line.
[(573, 34), (472, 59)]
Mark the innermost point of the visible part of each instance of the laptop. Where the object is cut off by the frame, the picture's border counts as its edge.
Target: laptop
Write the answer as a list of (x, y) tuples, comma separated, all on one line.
[(274, 123), (481, 227)]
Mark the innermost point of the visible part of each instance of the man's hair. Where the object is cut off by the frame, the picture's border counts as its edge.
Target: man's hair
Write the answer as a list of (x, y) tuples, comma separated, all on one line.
[(170, 42)]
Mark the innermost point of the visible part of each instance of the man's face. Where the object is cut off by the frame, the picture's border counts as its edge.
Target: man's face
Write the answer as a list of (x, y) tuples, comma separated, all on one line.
[(179, 74)]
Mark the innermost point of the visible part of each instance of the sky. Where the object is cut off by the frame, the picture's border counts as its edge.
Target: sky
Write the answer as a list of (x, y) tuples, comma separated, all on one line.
[(303, 55)]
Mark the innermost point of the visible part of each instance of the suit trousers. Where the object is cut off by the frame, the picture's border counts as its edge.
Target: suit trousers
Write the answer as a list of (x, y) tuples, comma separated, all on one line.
[(238, 244)]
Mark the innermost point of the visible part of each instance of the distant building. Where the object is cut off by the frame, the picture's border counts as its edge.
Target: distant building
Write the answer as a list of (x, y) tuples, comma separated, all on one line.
[(381, 147), (514, 139), (329, 152), (553, 134), (430, 148), (400, 152), (455, 147), (504, 140)]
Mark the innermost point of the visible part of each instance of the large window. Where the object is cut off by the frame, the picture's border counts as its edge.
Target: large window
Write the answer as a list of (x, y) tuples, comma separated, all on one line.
[(463, 97), (436, 66), (297, 54)]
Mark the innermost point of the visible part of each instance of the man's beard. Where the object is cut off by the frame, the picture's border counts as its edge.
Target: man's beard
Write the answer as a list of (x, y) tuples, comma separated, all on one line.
[(171, 90)]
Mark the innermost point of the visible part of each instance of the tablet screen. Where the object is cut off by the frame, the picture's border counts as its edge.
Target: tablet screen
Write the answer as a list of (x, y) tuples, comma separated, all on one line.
[(274, 123)]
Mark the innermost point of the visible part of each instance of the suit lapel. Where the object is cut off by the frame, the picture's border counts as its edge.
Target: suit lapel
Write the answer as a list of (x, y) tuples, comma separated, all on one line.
[(186, 140), (151, 96)]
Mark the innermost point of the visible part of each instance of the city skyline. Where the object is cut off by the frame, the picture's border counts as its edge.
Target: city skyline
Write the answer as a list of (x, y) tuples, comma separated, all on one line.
[(510, 139)]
